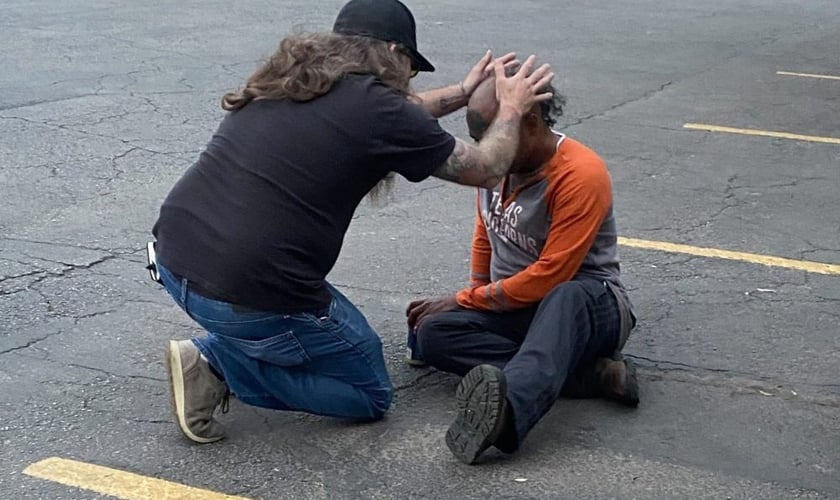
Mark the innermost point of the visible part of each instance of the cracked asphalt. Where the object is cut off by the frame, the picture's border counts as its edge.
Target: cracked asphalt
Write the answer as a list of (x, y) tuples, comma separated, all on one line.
[(103, 104)]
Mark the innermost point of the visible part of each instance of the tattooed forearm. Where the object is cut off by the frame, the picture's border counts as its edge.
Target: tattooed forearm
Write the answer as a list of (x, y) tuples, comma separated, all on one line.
[(487, 163), (463, 158), (445, 100), (446, 105)]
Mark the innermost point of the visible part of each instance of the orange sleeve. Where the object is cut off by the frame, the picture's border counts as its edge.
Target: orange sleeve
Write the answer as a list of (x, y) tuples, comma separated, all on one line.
[(480, 258), (579, 205)]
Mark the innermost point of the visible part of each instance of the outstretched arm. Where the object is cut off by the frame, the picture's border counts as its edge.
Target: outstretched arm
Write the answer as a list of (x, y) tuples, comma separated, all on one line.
[(445, 100)]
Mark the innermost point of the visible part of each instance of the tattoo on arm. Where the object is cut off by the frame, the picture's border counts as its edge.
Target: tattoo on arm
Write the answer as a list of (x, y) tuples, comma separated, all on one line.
[(445, 100), (463, 157), (487, 163), (448, 104)]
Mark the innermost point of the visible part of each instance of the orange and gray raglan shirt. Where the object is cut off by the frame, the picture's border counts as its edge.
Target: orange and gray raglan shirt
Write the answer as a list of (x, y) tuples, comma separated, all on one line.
[(557, 227)]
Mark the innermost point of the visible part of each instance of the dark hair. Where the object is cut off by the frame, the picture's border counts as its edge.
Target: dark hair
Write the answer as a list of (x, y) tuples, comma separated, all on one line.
[(552, 108), (306, 66)]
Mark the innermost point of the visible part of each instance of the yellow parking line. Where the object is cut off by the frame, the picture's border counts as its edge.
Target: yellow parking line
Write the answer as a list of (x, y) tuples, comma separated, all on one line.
[(808, 75), (117, 483), (754, 258), (764, 133)]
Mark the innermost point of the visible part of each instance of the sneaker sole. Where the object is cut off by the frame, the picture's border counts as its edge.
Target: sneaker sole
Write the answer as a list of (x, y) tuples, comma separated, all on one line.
[(176, 392), (480, 404)]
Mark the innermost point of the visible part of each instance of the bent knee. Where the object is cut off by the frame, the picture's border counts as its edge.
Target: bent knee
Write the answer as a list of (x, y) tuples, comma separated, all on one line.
[(430, 338), (568, 291), (379, 401)]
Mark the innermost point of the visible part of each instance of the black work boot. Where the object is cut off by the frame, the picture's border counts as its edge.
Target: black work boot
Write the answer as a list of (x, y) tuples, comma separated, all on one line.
[(617, 379), (481, 413)]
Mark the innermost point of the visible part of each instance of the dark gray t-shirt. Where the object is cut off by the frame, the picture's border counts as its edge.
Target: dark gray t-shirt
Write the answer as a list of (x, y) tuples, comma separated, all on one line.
[(260, 218)]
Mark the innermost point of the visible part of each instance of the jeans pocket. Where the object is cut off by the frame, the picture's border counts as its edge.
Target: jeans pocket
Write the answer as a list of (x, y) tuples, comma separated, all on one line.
[(281, 350), (327, 319)]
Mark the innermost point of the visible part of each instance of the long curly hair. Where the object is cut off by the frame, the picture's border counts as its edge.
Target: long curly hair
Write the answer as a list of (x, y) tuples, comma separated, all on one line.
[(306, 66)]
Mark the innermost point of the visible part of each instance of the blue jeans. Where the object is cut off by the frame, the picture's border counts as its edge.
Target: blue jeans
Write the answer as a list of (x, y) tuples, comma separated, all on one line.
[(329, 363)]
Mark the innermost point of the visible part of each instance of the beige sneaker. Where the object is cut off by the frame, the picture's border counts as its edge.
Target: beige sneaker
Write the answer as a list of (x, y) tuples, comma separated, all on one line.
[(195, 391)]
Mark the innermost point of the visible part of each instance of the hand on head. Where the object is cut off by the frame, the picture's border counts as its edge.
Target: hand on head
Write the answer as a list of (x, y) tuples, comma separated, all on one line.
[(483, 70), (520, 88), (519, 92)]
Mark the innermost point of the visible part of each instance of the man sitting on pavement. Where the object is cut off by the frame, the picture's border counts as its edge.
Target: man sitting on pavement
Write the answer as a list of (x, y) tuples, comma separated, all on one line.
[(546, 313)]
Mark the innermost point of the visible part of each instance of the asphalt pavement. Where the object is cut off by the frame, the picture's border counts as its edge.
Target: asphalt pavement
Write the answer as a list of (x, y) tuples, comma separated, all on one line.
[(103, 104)]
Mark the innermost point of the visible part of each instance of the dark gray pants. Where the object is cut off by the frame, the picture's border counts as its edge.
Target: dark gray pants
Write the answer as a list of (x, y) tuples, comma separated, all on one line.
[(545, 351)]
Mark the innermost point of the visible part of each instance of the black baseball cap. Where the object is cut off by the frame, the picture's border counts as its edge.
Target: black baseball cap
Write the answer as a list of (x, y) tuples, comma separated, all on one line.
[(386, 20)]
